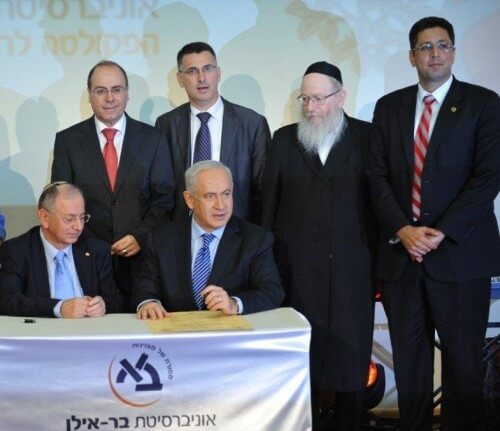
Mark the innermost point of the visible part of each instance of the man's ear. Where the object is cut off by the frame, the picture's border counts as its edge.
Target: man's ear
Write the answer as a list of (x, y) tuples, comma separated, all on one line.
[(411, 57), (188, 198), (43, 216), (180, 80)]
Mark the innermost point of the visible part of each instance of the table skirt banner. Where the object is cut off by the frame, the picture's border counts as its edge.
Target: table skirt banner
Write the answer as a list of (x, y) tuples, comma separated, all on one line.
[(232, 381)]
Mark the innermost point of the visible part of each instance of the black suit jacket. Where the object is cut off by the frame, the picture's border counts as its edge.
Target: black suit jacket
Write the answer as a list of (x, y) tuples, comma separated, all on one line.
[(144, 187), (244, 266), (325, 238), (24, 280), (460, 180), (245, 141)]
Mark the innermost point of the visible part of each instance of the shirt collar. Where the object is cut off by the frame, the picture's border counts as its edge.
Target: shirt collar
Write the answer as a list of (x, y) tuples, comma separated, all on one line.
[(439, 93), (197, 231), (119, 125), (51, 251), (216, 110)]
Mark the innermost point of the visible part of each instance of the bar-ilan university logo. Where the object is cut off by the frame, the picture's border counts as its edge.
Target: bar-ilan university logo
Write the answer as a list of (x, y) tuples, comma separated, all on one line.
[(139, 378)]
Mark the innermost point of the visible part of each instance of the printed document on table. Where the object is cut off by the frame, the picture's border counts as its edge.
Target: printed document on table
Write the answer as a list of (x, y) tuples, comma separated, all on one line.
[(193, 321)]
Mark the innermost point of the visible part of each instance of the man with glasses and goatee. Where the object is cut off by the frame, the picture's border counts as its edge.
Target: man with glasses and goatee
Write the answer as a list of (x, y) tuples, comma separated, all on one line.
[(54, 270)]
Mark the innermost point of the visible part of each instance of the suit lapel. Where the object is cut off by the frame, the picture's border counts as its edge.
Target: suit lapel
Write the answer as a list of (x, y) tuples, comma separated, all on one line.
[(182, 255), (406, 117), (131, 145), (228, 248), (83, 263), (446, 119), (313, 161), (39, 260), (183, 123), (92, 148), (230, 125)]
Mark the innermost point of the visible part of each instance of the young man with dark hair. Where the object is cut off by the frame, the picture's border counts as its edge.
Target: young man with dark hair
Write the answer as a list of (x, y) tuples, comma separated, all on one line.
[(210, 127), (434, 174)]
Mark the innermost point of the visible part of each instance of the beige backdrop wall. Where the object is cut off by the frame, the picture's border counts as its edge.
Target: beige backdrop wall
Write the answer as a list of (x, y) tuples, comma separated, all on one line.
[(263, 47), (48, 46)]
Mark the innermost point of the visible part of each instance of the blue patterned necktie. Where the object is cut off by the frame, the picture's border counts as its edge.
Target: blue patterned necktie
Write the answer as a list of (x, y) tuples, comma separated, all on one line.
[(63, 282), (201, 269), (203, 144)]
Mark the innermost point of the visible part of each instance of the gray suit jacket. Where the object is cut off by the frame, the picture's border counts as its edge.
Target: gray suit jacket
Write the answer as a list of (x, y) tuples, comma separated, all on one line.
[(245, 141)]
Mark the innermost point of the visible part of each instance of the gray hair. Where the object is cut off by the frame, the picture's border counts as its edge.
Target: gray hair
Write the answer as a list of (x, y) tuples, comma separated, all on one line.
[(191, 174), (337, 85), (53, 190)]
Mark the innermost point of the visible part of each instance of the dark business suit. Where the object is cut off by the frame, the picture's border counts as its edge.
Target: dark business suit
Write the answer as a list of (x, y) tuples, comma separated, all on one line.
[(144, 186), (325, 237), (24, 280), (449, 291), (245, 141), (244, 266)]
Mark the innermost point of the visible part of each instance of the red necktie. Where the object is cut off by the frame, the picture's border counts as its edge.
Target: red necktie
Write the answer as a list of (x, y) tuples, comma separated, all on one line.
[(110, 156), (420, 150)]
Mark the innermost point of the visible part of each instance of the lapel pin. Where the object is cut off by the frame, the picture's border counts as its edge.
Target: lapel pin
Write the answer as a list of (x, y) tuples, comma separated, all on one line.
[(453, 109), (87, 254)]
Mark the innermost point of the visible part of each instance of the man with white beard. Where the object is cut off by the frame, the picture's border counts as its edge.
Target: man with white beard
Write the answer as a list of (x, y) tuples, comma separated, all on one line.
[(315, 200)]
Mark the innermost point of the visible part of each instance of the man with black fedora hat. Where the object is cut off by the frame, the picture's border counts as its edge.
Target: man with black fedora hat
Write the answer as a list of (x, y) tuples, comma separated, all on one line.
[(315, 200)]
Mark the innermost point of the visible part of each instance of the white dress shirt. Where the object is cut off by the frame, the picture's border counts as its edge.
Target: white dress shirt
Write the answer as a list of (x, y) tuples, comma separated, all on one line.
[(214, 126), (118, 139)]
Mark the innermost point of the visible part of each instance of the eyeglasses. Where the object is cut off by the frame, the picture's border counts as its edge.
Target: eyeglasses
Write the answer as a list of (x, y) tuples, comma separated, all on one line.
[(428, 47), (115, 91), (317, 100), (192, 71), (69, 220)]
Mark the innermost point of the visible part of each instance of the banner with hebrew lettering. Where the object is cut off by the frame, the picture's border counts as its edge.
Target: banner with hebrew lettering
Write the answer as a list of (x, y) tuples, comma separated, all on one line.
[(223, 381)]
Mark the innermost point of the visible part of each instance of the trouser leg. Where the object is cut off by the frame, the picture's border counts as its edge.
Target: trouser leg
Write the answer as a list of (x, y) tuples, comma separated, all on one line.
[(460, 313), (412, 339)]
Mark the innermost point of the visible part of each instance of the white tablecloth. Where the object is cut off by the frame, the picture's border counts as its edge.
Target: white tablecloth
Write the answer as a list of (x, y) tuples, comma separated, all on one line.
[(110, 373)]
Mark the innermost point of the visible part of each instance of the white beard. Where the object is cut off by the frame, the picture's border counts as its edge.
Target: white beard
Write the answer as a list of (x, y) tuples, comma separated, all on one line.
[(312, 136)]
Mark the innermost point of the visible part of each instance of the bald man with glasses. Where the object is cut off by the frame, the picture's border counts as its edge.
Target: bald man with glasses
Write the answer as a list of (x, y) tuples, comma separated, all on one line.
[(123, 168), (55, 270)]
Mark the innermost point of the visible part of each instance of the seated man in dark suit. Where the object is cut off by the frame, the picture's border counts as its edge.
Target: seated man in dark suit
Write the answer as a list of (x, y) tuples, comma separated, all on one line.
[(212, 260), (54, 270)]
